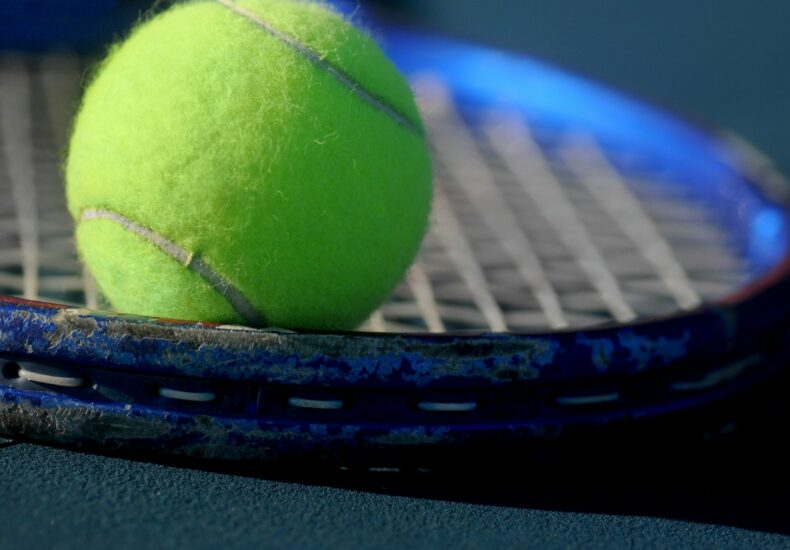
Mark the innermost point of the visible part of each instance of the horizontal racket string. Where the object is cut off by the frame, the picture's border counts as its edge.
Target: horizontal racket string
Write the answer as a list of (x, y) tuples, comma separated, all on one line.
[(532, 229)]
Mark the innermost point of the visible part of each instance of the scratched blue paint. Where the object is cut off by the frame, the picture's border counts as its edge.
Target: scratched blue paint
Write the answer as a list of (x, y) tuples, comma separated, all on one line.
[(645, 351), (601, 352), (406, 361), (137, 428)]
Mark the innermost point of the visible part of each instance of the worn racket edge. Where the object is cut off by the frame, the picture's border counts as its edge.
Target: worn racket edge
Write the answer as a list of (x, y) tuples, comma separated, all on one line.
[(595, 269)]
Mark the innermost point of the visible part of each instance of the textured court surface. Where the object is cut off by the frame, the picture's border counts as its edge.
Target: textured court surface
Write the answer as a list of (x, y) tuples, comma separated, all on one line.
[(70, 500)]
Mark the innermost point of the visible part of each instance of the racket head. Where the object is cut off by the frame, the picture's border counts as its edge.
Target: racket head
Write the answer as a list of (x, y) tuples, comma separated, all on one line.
[(516, 356)]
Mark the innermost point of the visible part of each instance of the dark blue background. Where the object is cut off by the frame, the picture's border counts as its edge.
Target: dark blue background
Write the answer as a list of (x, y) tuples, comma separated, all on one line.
[(723, 62)]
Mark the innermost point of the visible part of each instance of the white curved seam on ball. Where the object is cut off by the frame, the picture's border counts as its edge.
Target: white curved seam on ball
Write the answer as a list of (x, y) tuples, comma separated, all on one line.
[(189, 260), (339, 75)]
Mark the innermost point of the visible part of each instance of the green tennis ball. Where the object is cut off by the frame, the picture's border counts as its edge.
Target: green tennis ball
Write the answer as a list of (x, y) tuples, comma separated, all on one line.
[(250, 161)]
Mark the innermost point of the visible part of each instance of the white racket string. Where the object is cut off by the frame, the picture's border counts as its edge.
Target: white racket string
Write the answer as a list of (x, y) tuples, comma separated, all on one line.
[(524, 158), (457, 149), (613, 194)]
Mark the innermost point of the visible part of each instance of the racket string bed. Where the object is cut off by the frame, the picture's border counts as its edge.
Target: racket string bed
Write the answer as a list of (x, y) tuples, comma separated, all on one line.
[(539, 229), (38, 97), (17, 185), (533, 228)]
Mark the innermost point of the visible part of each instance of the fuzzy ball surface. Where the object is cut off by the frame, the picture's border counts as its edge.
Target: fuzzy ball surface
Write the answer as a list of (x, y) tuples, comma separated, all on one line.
[(254, 162)]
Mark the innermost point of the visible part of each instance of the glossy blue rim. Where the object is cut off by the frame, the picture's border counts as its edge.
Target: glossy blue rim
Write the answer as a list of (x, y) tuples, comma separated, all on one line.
[(550, 96)]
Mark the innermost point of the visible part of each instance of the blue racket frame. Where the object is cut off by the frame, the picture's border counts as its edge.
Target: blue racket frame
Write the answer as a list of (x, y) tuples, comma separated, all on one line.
[(118, 382)]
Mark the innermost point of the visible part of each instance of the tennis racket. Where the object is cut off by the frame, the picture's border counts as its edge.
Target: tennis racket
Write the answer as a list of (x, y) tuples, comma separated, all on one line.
[(596, 270)]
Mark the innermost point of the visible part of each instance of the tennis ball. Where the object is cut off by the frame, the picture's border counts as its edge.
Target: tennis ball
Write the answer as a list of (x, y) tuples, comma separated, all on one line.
[(251, 161)]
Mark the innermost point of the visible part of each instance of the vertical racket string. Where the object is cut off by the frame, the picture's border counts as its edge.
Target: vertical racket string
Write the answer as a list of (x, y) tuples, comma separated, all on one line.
[(377, 322), (421, 288), (16, 130)]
